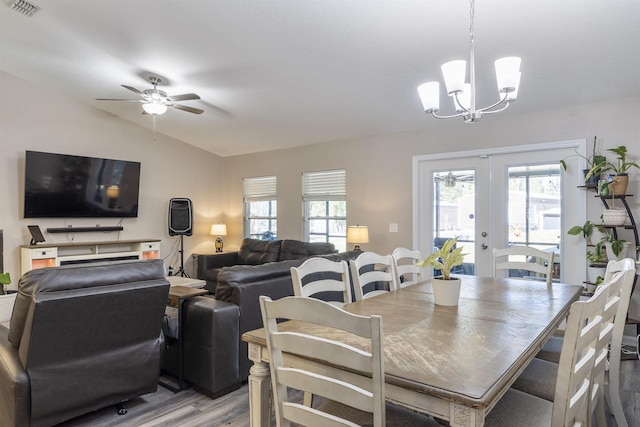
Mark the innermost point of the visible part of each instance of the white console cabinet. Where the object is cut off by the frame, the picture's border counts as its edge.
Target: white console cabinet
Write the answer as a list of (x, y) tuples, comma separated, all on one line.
[(56, 254)]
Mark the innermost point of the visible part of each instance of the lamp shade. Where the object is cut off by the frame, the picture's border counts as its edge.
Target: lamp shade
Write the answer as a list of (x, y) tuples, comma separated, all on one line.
[(430, 96), (219, 230), (454, 73), (357, 234), (508, 73), (155, 108)]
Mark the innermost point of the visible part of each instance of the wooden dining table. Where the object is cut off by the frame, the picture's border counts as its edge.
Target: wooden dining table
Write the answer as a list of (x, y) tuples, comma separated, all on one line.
[(454, 363)]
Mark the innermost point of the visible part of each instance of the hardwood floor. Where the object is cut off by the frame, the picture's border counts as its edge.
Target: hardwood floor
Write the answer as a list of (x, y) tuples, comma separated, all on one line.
[(191, 409)]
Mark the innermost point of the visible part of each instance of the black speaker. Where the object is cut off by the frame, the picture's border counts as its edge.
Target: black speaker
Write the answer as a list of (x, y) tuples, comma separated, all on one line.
[(180, 217)]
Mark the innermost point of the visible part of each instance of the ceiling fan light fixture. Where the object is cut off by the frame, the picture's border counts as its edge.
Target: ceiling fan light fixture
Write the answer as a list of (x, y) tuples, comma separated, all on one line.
[(155, 108)]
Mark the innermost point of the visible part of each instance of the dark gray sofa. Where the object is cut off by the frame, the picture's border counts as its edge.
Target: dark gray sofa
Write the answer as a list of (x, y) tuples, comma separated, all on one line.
[(215, 358), (257, 252)]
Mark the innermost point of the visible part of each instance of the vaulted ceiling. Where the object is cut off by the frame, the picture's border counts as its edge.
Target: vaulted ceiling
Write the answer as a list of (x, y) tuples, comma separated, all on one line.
[(284, 73)]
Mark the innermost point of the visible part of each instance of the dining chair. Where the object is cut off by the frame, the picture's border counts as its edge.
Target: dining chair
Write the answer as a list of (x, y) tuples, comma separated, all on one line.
[(539, 377), (320, 276), (569, 405), (343, 400), (551, 350), (370, 271), (528, 259), (407, 272)]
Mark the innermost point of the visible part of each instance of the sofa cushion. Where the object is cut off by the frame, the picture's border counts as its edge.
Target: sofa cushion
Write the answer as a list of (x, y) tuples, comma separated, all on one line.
[(254, 252), (295, 249)]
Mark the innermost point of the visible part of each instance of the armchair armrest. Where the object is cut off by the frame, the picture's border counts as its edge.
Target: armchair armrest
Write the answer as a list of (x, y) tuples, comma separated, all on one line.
[(15, 404), (208, 266)]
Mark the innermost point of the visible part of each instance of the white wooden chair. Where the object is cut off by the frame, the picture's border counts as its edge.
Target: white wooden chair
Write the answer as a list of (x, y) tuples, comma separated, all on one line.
[(611, 381), (364, 397), (370, 268), (502, 261), (407, 272), (570, 403), (540, 376), (318, 275)]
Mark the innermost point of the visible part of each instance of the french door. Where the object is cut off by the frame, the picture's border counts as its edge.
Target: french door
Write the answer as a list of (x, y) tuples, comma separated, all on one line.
[(496, 198)]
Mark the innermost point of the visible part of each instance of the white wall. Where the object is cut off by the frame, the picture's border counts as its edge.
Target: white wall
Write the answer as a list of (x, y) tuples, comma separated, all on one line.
[(32, 118)]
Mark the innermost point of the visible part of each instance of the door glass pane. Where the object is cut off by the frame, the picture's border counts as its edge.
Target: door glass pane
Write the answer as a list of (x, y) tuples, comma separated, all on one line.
[(534, 208), (454, 213)]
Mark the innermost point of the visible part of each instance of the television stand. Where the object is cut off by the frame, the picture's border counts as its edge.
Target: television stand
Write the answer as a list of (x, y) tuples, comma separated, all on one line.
[(56, 254)]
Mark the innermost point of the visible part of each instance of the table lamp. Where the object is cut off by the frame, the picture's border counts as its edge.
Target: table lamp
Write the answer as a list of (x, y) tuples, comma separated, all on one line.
[(219, 230), (357, 234)]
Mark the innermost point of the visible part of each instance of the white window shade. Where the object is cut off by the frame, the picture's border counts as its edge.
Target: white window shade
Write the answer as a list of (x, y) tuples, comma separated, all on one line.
[(259, 189), (325, 185)]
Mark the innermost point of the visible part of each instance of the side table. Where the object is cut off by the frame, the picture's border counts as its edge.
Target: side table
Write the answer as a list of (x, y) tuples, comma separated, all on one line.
[(177, 296), (186, 281)]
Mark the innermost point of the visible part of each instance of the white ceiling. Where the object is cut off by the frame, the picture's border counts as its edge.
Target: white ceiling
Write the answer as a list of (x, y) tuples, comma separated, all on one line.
[(284, 73)]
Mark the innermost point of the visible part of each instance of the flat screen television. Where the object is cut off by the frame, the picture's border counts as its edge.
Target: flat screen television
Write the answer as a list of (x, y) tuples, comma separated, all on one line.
[(67, 186)]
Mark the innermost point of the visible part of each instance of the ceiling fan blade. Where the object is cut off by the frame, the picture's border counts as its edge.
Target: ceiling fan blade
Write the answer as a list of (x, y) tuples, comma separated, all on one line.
[(114, 99), (186, 108), (183, 97), (133, 89)]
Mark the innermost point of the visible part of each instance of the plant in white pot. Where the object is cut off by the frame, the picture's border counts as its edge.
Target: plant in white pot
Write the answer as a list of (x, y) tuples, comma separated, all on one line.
[(446, 289), (612, 216), (616, 249)]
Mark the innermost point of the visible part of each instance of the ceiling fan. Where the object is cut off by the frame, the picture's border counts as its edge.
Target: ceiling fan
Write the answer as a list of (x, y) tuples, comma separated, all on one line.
[(156, 102)]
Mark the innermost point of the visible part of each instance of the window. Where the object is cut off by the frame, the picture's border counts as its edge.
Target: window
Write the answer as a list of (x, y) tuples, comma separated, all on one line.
[(324, 197), (260, 208)]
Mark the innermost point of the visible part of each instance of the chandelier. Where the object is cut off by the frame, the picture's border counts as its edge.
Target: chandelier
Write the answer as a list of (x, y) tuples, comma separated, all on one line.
[(464, 94)]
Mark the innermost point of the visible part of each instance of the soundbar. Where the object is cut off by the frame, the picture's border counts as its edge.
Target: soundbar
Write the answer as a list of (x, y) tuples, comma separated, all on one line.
[(84, 229)]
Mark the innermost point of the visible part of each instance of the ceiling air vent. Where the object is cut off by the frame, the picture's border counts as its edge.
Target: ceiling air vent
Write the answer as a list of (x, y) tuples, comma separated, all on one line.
[(22, 7)]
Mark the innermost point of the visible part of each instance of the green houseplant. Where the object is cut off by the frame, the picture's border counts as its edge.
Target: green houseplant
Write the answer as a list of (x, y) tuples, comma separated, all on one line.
[(446, 289), (5, 279), (445, 258), (593, 160), (586, 230), (619, 168)]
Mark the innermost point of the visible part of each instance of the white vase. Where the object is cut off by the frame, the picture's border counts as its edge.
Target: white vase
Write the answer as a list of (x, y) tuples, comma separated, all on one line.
[(593, 272), (446, 292), (614, 217), (623, 253)]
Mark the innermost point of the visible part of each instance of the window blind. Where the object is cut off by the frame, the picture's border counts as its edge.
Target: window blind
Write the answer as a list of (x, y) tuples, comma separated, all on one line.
[(324, 185), (259, 189)]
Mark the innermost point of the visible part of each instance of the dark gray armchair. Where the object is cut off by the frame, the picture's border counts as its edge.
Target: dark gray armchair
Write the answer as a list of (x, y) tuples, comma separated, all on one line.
[(81, 338)]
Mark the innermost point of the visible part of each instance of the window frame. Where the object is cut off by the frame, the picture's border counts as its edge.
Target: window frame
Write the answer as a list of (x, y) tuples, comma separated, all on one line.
[(258, 190)]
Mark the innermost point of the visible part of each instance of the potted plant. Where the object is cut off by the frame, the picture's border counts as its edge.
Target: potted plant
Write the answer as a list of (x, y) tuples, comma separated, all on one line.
[(616, 249), (593, 160), (446, 289), (588, 230), (5, 280), (619, 178)]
